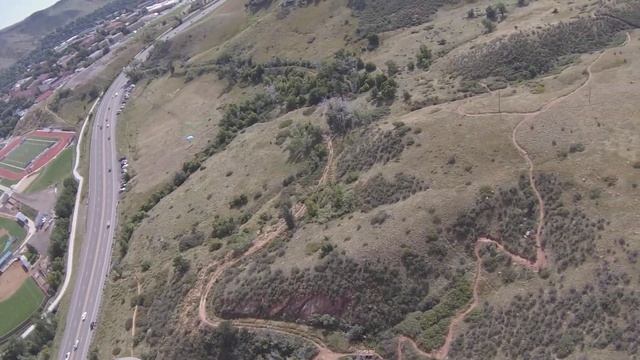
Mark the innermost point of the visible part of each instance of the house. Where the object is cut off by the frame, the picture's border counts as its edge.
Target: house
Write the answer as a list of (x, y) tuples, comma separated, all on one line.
[(21, 82), (44, 88), (88, 41), (65, 60), (115, 38), (95, 55)]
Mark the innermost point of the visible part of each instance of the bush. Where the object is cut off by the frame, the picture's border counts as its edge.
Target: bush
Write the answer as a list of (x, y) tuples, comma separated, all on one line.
[(223, 227), (424, 58), (180, 265), (238, 201), (491, 13), (489, 26), (378, 191), (379, 218), (373, 41), (526, 54)]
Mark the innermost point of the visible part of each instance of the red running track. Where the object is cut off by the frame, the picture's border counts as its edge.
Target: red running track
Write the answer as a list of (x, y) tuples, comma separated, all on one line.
[(63, 138)]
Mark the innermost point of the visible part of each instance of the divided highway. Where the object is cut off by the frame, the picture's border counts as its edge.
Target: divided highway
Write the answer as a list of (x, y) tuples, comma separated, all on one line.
[(104, 181)]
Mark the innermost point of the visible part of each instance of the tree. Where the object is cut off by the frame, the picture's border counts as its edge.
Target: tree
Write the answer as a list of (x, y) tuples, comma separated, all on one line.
[(355, 333), (392, 68), (180, 265), (288, 216), (502, 9), (374, 41), (522, 3), (471, 13), (370, 67), (491, 13), (93, 93), (305, 144), (339, 117), (14, 349), (423, 58), (488, 26)]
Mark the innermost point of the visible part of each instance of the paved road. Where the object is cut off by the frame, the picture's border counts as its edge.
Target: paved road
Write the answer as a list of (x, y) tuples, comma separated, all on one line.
[(95, 256)]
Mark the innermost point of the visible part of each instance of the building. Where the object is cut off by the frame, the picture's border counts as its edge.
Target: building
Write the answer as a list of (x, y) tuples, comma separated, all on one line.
[(162, 6), (22, 219), (26, 265), (95, 55), (65, 60), (115, 38), (44, 88), (22, 82), (88, 41)]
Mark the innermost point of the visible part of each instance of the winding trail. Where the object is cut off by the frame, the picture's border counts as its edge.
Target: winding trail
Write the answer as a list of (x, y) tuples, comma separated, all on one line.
[(135, 314), (541, 259), (271, 233)]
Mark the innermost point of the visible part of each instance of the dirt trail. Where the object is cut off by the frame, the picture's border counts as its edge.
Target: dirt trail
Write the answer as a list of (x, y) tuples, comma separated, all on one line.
[(540, 261), (271, 233), (135, 314)]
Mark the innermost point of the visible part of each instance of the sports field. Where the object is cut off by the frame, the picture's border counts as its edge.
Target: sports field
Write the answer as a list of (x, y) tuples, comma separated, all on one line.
[(20, 306), (54, 173), (13, 228), (23, 154)]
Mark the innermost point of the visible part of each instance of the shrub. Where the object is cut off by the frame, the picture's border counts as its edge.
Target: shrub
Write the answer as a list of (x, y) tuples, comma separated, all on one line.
[(379, 218), (424, 58), (489, 26), (491, 13), (180, 265), (526, 54), (373, 41), (238, 201), (223, 227)]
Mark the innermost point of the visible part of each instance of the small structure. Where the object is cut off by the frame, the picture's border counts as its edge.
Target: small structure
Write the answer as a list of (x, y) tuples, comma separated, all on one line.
[(22, 219), (26, 265)]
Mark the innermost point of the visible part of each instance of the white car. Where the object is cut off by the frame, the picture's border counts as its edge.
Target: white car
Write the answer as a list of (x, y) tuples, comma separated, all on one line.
[(115, 95), (67, 356), (107, 125), (75, 344), (84, 316)]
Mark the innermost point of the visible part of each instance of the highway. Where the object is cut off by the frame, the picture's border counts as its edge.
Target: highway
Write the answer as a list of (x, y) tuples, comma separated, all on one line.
[(104, 181)]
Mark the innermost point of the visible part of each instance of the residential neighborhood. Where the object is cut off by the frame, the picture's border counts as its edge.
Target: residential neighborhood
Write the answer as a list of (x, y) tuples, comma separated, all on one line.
[(75, 54)]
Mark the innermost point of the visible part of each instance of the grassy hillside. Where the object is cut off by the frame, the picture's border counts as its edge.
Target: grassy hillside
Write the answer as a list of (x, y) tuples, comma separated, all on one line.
[(439, 190)]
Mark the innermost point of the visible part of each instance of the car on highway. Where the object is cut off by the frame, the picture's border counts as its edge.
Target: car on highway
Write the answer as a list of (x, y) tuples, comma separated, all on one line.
[(75, 344), (108, 224), (84, 316), (116, 94), (67, 356)]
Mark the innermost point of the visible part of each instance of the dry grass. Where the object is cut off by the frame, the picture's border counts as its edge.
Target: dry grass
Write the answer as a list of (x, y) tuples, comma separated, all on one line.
[(165, 110)]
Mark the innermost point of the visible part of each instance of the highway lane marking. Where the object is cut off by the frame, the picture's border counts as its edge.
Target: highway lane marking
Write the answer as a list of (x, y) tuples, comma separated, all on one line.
[(87, 256), (102, 186)]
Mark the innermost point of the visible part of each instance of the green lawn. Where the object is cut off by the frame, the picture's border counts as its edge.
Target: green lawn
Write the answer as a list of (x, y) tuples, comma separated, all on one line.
[(27, 151), (7, 182), (3, 242), (20, 306), (55, 172), (13, 228)]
